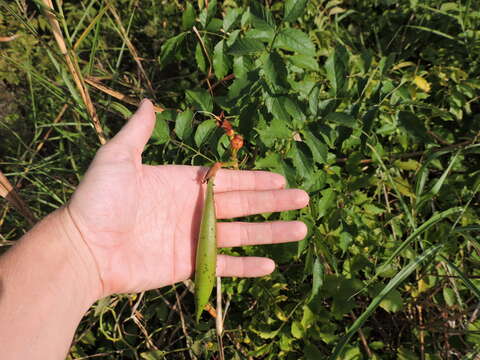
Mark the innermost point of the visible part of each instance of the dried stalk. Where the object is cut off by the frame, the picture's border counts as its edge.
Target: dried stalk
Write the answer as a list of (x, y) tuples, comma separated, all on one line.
[(8, 192), (73, 67), (117, 95)]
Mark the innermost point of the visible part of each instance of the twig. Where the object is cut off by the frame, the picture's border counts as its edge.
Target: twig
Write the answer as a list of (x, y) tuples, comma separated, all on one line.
[(363, 339), (117, 95), (184, 327), (8, 192), (219, 319), (72, 64), (204, 48)]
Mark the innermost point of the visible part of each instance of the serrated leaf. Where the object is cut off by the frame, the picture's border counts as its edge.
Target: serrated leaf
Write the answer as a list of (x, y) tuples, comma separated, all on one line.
[(230, 18), (241, 66), (275, 70), (272, 160), (293, 9), (207, 14), (188, 17), (317, 281), (183, 124), (294, 40), (327, 201), (277, 130), (161, 132), (200, 99), (221, 62), (304, 62), (260, 34), (300, 161), (200, 58), (276, 108), (313, 100), (335, 67), (319, 150), (204, 131), (343, 119), (246, 46), (170, 48), (260, 17)]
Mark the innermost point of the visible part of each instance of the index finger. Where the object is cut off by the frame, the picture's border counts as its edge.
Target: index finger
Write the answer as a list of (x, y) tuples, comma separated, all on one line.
[(241, 180)]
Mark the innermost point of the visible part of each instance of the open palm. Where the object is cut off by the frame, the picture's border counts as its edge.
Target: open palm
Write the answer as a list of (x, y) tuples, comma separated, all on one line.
[(141, 222)]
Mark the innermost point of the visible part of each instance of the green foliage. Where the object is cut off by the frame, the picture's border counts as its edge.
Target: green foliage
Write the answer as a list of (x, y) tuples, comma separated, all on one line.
[(371, 107)]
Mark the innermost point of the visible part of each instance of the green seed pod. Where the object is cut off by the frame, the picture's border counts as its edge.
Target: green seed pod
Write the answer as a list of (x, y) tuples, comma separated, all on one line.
[(206, 259)]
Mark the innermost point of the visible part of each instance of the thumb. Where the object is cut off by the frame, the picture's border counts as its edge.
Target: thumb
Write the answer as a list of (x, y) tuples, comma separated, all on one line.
[(136, 132)]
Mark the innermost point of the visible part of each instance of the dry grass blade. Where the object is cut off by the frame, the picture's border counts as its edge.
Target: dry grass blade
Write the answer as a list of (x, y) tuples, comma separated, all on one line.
[(130, 46), (9, 38), (8, 192), (118, 95), (73, 67)]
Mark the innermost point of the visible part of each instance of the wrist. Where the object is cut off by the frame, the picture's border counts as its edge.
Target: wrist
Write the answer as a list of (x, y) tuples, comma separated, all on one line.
[(82, 267)]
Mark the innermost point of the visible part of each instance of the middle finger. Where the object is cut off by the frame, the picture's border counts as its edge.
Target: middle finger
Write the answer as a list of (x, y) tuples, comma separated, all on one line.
[(242, 203)]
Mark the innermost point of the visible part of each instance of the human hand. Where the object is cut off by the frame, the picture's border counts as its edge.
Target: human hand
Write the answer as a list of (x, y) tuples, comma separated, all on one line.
[(140, 222)]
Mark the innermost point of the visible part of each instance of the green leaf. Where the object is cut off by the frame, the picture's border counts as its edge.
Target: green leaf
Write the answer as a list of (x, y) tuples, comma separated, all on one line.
[(293, 9), (392, 284), (161, 132), (242, 65), (392, 302), (230, 18), (188, 17), (317, 281), (294, 40), (200, 99), (246, 46), (449, 296), (277, 130), (260, 17), (412, 125), (275, 70), (300, 161), (327, 201), (319, 150), (312, 353), (260, 34), (342, 118), (207, 14), (204, 131), (200, 58), (221, 62), (336, 68), (170, 47), (275, 105), (304, 62), (297, 330), (420, 230), (183, 124), (153, 355)]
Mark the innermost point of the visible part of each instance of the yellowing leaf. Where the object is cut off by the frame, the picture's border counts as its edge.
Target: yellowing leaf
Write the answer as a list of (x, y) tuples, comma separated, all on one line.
[(403, 64), (422, 83)]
